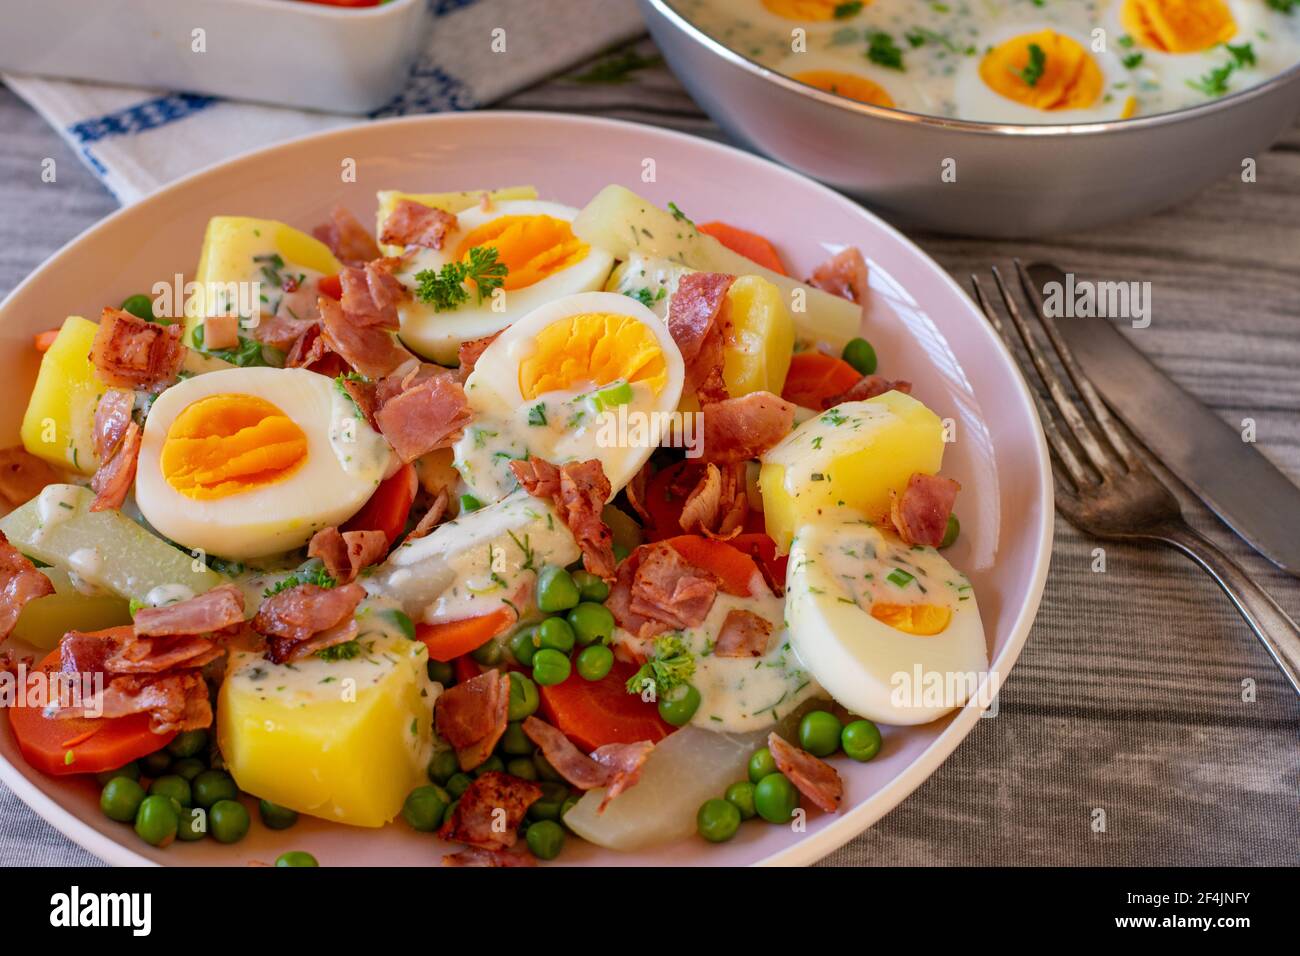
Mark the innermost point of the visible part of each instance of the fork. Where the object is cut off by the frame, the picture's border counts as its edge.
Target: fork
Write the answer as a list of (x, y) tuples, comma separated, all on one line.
[(1108, 492)]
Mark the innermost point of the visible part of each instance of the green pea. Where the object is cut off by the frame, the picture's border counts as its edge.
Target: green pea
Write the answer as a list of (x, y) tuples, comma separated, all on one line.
[(228, 821), (591, 623), (861, 740), (523, 768), (741, 795), (296, 858), (274, 816), (556, 634), (487, 653), (679, 705), (156, 763), (523, 696), (545, 839), (424, 808), (515, 743), (569, 803), (550, 667), (951, 532), (211, 786), (469, 503), (595, 662), (717, 820), (775, 798), (458, 784), (523, 645), (442, 672), (131, 771), (443, 766), (545, 770), (548, 807), (590, 587), (860, 354), (556, 590), (819, 733), (188, 744), (761, 764), (187, 768), (493, 764), (451, 811), (192, 824), (121, 798), (157, 819), (139, 305), (178, 788)]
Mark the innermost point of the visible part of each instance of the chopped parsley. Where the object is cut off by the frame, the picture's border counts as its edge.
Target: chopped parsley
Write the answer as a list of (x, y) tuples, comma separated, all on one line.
[(341, 652), (843, 11), (672, 665), (678, 214), (1133, 60), (645, 297), (899, 578), (249, 353), (444, 289), (883, 51), (1284, 6), (317, 576), (1215, 82), (537, 414), (1034, 69)]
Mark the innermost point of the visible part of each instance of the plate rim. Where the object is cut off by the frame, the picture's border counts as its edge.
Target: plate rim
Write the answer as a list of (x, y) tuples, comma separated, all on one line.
[(809, 848)]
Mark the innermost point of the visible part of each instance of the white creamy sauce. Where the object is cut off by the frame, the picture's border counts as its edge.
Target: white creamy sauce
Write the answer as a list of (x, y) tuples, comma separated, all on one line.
[(87, 564), (879, 569), (165, 594), (358, 447), (807, 454), (54, 505)]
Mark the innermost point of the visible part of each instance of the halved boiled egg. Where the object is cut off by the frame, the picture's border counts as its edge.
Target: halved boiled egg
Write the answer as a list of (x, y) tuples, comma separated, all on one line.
[(1042, 76), (593, 375), (893, 633), (1178, 26), (543, 258), (248, 462), (815, 16), (855, 78)]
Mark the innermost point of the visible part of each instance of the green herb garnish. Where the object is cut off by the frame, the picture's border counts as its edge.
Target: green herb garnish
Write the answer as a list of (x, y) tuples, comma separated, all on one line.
[(883, 51), (445, 289), (1033, 70), (672, 665)]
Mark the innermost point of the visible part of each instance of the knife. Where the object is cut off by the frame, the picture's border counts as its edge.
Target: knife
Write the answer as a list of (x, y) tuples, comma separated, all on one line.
[(1234, 480)]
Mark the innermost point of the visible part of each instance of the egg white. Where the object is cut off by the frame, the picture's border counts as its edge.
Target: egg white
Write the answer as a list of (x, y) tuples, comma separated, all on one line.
[(346, 460), (438, 335)]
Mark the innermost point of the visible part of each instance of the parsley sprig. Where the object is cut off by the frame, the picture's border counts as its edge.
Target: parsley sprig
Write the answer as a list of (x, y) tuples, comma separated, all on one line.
[(1034, 69), (444, 289), (317, 576)]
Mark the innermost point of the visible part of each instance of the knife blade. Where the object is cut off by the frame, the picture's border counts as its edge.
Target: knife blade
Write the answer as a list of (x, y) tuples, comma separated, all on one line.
[(1234, 480)]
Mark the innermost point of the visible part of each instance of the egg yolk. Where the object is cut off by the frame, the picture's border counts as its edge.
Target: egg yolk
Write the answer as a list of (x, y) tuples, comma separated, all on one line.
[(532, 247), (847, 84), (1178, 26), (1045, 70), (225, 445), (805, 9), (593, 348), (923, 620)]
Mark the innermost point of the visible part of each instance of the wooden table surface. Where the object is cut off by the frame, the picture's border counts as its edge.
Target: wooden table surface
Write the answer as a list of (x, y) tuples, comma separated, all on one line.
[(1128, 697)]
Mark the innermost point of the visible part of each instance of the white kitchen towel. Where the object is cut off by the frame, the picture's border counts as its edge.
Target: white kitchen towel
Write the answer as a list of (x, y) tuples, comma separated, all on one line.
[(137, 140)]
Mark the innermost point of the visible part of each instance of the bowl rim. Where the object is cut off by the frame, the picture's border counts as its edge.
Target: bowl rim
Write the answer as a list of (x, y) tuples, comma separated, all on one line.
[(666, 10), (808, 848)]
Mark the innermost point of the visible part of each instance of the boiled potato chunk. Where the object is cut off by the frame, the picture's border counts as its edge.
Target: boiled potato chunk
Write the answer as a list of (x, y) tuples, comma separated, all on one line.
[(60, 420), (104, 548), (622, 223), (845, 461), (448, 202), (43, 622), (342, 740)]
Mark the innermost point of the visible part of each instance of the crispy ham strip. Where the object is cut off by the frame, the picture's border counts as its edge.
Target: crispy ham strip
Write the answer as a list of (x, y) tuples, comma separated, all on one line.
[(415, 224), (350, 241), (114, 477), (472, 716), (429, 413), (20, 582), (613, 766), (22, 476), (174, 701), (580, 491), (743, 634), (920, 513), (292, 619), (716, 507), (657, 590), (738, 429), (845, 275), (112, 416), (216, 610), (129, 352), (371, 294), (470, 352), (489, 812), (814, 778), (478, 856), (346, 553), (366, 346), (869, 386), (698, 324)]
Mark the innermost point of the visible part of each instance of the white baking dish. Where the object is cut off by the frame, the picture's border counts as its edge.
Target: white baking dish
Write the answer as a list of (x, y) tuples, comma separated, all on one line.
[(284, 52)]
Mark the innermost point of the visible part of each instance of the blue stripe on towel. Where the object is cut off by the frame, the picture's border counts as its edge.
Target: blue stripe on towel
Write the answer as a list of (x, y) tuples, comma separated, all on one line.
[(440, 8), (147, 115), (429, 89)]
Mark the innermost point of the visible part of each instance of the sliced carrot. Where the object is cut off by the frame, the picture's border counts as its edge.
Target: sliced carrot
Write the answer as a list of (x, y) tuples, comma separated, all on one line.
[(448, 640), (43, 340), (80, 745), (751, 245), (389, 507), (664, 507), (331, 286), (734, 568), (815, 376), (599, 712), (762, 549)]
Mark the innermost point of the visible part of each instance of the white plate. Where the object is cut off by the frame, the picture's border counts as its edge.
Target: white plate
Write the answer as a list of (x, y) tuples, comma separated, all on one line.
[(923, 327)]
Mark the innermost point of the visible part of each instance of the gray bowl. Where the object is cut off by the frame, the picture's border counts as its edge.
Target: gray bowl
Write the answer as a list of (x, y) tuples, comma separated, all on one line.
[(1010, 180)]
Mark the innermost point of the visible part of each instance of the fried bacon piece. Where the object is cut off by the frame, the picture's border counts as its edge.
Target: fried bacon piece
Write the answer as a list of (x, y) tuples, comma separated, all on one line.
[(469, 353), (22, 476), (20, 582), (346, 553), (614, 766), (472, 716), (580, 491), (156, 655), (478, 856), (173, 700), (489, 812), (415, 224), (220, 609), (813, 777), (698, 324), (623, 762), (429, 412), (657, 590), (738, 429), (845, 275), (371, 294), (112, 416), (920, 513), (114, 477), (129, 352), (716, 507), (433, 517), (350, 241), (743, 634), (368, 347), (869, 386), (293, 618)]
